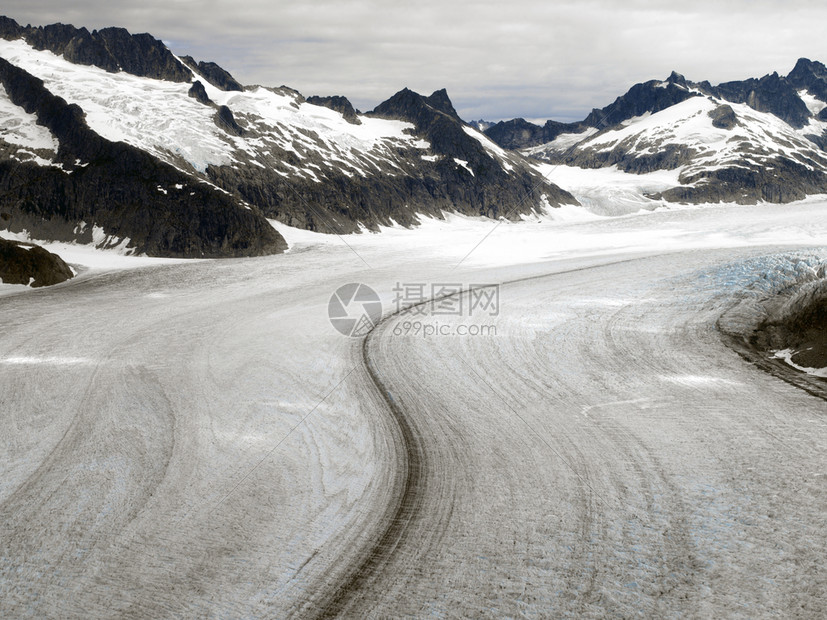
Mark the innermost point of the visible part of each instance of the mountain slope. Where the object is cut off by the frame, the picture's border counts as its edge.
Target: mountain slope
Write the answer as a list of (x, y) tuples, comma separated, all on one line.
[(468, 166), (314, 163), (72, 184), (747, 141)]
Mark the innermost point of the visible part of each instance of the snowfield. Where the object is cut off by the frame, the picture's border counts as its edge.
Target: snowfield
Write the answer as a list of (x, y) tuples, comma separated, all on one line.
[(756, 139), (20, 129), (194, 438), (160, 118)]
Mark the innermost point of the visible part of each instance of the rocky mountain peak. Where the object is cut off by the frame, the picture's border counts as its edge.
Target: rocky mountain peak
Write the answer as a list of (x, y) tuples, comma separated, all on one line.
[(648, 97), (111, 49), (810, 76), (415, 108), (339, 104), (806, 68), (214, 74), (439, 99)]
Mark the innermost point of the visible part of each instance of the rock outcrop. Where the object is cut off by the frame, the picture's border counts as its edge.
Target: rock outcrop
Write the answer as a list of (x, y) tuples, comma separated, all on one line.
[(29, 264), (339, 104), (214, 74), (112, 49)]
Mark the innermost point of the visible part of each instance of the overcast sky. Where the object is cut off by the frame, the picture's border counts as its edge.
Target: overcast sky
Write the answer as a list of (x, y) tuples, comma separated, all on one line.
[(497, 58)]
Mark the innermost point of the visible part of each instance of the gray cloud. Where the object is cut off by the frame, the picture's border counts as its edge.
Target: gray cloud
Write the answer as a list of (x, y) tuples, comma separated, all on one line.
[(497, 59)]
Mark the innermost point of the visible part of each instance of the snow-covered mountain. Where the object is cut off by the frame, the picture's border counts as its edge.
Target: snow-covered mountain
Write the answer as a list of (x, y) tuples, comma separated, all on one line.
[(747, 141), (216, 158)]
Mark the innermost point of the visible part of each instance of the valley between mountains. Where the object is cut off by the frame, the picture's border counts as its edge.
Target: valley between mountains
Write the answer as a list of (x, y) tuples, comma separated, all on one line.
[(196, 439), (636, 426)]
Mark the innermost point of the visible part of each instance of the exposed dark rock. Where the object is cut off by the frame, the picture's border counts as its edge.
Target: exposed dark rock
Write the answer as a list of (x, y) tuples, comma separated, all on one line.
[(809, 324), (287, 92), (142, 55), (199, 93), (626, 158), (723, 117), (410, 106), (127, 192), (23, 263), (295, 184), (517, 133), (791, 315), (772, 93), (818, 140), (780, 181), (481, 125), (810, 76), (795, 320), (10, 29), (649, 97), (678, 79), (214, 74), (436, 122), (339, 104), (225, 120), (112, 49), (439, 100), (520, 134)]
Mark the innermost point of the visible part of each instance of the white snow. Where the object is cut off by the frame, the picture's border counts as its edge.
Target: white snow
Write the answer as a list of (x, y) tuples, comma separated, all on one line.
[(101, 240), (687, 122), (489, 145), (107, 253), (787, 356), (634, 120), (609, 191), (159, 117), (19, 128), (154, 115), (563, 142), (49, 361), (464, 164), (813, 104)]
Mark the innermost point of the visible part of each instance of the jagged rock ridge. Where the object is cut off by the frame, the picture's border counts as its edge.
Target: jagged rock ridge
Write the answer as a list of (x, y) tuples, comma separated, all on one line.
[(215, 75), (339, 104), (746, 141), (112, 49), (313, 163)]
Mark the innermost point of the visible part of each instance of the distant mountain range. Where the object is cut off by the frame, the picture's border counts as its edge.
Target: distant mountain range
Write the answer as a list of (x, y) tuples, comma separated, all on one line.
[(109, 138), (744, 142)]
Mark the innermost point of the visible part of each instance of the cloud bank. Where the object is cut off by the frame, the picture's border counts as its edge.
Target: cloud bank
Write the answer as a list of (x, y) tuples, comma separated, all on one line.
[(498, 60)]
